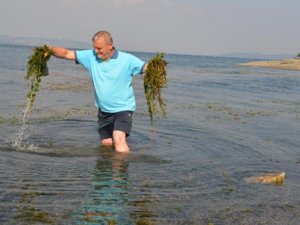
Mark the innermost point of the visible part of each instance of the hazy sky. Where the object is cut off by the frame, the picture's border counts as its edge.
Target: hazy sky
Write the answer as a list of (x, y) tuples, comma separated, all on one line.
[(205, 27)]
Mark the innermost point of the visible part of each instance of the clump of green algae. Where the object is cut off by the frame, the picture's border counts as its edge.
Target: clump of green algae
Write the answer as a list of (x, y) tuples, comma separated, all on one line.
[(36, 68), (154, 80)]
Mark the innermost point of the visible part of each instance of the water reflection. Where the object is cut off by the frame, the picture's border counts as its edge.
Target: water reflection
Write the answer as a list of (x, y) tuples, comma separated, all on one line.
[(114, 198), (105, 203)]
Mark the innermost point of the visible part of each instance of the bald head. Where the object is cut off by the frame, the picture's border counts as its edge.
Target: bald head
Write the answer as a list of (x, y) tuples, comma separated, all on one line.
[(104, 35)]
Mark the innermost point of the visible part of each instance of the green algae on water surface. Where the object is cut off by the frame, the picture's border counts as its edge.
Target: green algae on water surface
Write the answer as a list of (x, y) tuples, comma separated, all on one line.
[(32, 215), (154, 80), (28, 213), (37, 67)]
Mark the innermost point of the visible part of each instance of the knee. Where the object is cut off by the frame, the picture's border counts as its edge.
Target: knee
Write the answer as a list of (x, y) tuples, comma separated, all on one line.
[(119, 138), (107, 141)]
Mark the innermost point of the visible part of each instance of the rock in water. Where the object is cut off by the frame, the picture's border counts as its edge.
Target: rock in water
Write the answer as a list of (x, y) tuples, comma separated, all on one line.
[(268, 178)]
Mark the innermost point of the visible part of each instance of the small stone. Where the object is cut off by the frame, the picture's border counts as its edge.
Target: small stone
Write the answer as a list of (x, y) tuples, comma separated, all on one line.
[(268, 178)]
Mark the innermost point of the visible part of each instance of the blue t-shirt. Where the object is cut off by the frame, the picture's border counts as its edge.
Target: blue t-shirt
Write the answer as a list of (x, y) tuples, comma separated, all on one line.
[(112, 79)]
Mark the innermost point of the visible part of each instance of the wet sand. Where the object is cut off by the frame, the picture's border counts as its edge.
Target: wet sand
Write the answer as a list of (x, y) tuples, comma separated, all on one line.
[(286, 64)]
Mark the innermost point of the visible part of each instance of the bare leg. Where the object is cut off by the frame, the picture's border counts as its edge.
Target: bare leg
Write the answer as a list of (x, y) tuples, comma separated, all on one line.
[(119, 140)]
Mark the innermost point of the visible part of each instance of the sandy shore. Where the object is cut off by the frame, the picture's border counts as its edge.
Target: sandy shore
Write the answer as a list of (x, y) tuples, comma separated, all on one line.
[(287, 64)]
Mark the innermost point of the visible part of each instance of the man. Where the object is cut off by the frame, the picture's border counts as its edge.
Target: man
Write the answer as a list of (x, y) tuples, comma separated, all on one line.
[(111, 72)]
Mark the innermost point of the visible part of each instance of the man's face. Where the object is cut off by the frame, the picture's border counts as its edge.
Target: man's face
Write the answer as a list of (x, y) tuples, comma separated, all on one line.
[(102, 49)]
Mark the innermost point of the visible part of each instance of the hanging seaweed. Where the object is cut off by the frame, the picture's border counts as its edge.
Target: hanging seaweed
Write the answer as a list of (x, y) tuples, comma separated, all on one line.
[(37, 67), (154, 80)]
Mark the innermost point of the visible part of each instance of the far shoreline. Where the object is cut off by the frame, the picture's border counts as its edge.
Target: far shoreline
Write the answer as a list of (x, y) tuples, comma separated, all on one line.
[(286, 64)]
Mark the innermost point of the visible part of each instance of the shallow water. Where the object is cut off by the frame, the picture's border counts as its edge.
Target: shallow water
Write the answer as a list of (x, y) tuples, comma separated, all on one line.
[(224, 123)]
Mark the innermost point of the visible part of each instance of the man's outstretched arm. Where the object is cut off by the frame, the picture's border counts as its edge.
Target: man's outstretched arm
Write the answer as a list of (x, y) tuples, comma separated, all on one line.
[(63, 53)]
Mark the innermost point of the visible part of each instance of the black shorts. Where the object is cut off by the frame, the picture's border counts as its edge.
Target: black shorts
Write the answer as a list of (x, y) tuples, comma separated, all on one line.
[(108, 122)]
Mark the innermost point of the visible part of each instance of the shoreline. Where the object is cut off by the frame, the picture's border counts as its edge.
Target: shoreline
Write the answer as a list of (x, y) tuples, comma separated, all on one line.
[(286, 64)]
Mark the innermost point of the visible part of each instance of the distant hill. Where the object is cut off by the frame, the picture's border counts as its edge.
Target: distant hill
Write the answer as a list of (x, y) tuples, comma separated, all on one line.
[(32, 41), (260, 56)]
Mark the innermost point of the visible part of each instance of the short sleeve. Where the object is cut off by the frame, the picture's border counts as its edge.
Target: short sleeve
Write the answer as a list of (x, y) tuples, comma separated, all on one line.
[(137, 65), (83, 57)]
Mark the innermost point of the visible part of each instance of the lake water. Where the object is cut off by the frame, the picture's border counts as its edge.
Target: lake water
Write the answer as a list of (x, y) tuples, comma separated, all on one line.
[(224, 123)]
